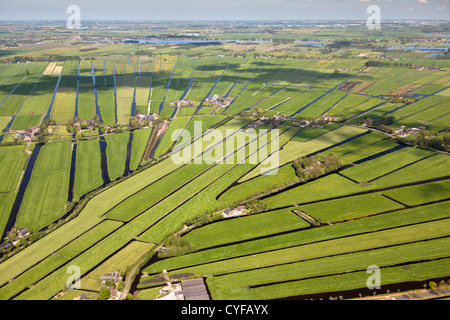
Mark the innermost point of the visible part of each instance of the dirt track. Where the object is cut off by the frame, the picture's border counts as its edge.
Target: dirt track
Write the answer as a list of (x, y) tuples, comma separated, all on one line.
[(422, 294)]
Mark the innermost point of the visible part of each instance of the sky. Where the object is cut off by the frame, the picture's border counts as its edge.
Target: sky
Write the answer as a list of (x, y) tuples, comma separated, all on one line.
[(223, 9)]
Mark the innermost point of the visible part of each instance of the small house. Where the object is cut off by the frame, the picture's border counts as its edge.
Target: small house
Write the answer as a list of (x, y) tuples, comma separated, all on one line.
[(114, 276), (7, 245), (28, 136), (22, 232)]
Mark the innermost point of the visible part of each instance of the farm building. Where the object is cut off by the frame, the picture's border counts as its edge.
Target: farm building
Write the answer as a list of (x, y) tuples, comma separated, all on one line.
[(194, 289), (115, 276), (232, 213), (220, 101), (405, 131), (7, 245), (183, 103), (22, 232)]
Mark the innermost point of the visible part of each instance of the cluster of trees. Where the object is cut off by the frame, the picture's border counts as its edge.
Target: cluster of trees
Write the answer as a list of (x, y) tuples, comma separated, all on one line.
[(381, 123), (105, 293), (402, 98), (176, 246), (256, 206), (49, 58), (22, 244), (315, 166), (257, 113), (388, 64), (433, 141)]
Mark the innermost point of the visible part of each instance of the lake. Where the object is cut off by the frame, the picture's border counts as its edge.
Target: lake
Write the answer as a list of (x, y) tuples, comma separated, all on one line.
[(190, 41)]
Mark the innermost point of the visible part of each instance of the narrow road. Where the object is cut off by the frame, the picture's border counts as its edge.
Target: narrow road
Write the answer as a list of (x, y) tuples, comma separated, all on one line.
[(421, 294), (129, 279)]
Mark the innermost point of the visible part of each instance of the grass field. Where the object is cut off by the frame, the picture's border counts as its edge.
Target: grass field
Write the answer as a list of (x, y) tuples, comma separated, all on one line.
[(386, 206), (150, 195), (371, 170), (116, 151), (46, 195), (140, 139), (88, 174), (12, 162), (64, 104), (106, 99), (244, 228), (6, 203), (303, 237), (352, 207)]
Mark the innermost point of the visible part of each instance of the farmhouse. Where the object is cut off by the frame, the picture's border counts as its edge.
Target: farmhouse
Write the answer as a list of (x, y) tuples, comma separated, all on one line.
[(142, 118), (219, 101), (277, 121), (114, 276), (274, 121), (22, 232), (114, 294), (257, 123), (404, 131), (27, 134), (7, 245), (183, 103), (233, 213), (302, 124)]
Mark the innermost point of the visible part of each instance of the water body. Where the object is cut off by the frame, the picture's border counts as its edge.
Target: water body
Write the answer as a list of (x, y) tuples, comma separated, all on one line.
[(128, 159), (72, 172), (8, 126), (231, 88), (312, 43), (434, 55), (187, 89), (49, 111), (97, 108), (76, 99), (161, 106), (115, 92), (23, 185), (104, 160), (190, 41), (424, 49), (13, 90), (133, 104)]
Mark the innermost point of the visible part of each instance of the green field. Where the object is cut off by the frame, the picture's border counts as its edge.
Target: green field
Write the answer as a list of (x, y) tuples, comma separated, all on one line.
[(87, 170), (46, 195), (387, 205), (244, 228), (12, 163), (116, 154)]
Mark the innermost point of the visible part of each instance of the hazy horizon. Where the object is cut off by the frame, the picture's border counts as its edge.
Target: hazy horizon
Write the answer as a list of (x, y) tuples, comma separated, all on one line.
[(224, 10)]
